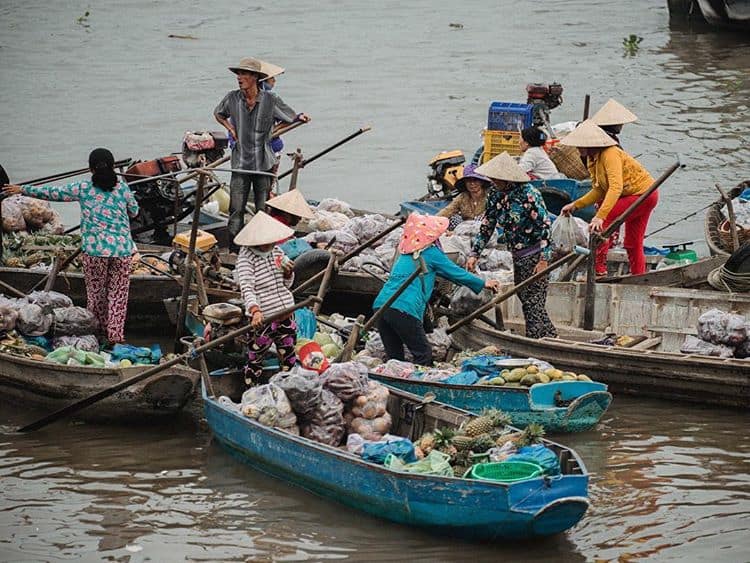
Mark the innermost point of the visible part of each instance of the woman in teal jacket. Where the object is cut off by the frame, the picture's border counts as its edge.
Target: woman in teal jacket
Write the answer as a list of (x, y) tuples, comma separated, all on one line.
[(401, 325)]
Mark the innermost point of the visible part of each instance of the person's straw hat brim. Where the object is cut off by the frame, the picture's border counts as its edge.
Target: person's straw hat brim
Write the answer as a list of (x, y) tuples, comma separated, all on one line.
[(262, 229), (292, 202), (249, 64), (270, 70), (503, 167), (588, 135), (420, 231), (613, 113)]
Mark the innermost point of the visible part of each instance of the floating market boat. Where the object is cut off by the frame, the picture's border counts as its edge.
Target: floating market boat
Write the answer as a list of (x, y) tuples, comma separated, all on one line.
[(560, 406), (716, 224), (656, 319), (50, 385), (474, 509)]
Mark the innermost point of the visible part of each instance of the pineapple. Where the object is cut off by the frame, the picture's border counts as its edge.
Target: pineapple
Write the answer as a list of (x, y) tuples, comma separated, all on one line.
[(505, 438), (462, 442), (489, 419), (482, 443), (443, 437), (531, 435), (426, 442)]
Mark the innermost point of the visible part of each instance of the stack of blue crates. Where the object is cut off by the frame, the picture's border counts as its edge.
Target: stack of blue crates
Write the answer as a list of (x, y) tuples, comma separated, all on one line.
[(509, 116)]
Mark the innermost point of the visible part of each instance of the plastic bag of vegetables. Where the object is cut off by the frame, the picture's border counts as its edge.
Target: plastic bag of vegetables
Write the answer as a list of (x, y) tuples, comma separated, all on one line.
[(268, 405), (32, 320), (326, 423), (346, 380), (302, 387), (74, 321)]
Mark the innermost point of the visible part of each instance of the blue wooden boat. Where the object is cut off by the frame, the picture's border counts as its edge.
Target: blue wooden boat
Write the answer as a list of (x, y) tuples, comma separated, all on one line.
[(586, 402), (473, 509)]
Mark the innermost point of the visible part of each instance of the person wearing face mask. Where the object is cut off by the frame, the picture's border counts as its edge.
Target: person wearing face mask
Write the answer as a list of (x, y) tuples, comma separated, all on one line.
[(518, 208), (265, 276), (248, 114), (470, 203)]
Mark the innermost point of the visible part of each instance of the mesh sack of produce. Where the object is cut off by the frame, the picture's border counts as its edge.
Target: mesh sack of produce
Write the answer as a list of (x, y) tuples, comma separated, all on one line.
[(496, 259), (718, 327), (367, 226), (32, 320), (36, 212), (51, 299), (467, 229), (268, 405), (74, 321), (326, 423), (345, 242), (332, 204), (370, 428), (396, 368), (373, 404), (87, 342), (743, 350), (8, 316), (440, 341), (434, 463), (693, 345), (12, 213), (346, 380), (302, 387), (327, 220), (464, 301), (374, 346)]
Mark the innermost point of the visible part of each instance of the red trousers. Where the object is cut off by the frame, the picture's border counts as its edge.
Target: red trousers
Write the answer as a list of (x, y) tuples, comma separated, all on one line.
[(635, 231), (107, 285)]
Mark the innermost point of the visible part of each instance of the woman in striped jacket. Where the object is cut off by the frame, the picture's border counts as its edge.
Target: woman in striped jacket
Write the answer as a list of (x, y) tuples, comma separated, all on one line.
[(265, 275)]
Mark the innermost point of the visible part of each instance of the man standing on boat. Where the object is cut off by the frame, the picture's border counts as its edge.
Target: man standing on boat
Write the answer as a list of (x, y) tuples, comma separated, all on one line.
[(249, 114)]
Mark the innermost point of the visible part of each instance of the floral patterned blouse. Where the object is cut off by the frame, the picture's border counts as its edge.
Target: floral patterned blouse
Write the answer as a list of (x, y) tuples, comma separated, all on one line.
[(521, 213), (105, 225)]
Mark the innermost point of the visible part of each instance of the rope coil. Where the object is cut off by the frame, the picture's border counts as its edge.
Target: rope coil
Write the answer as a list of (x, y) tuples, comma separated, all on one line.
[(731, 282)]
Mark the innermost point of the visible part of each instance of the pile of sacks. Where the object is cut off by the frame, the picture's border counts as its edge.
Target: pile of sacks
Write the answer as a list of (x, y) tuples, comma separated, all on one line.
[(321, 407), (21, 213), (720, 334), (48, 320)]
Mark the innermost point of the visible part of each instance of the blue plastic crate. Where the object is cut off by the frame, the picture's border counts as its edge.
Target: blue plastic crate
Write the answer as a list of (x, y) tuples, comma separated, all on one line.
[(508, 116)]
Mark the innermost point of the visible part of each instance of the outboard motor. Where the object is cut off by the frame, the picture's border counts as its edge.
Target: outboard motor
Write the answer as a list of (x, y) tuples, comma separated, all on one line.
[(160, 198), (544, 97), (446, 168)]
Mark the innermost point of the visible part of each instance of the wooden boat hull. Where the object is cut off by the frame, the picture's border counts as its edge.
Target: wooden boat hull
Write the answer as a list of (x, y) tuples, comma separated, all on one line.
[(524, 405), (664, 375), (54, 386), (714, 217), (442, 505)]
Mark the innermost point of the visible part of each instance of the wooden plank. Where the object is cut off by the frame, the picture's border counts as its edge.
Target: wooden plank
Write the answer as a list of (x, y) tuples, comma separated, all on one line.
[(647, 344)]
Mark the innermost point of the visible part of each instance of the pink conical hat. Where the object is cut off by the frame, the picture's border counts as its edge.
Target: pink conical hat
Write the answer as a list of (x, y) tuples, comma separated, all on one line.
[(420, 231)]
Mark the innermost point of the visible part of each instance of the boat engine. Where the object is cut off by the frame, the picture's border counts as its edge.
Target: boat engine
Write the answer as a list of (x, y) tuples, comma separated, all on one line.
[(206, 255), (543, 98), (204, 147), (160, 198), (446, 168)]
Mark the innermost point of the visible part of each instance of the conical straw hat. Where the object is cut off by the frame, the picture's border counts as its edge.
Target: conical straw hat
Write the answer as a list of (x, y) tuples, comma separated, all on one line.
[(420, 231), (588, 135), (503, 167), (613, 113), (292, 202), (270, 69), (262, 229)]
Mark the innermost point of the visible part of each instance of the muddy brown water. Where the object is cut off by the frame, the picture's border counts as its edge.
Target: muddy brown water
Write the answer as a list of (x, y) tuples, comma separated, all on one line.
[(669, 482)]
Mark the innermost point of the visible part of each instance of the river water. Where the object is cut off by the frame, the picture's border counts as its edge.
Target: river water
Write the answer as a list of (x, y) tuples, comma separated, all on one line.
[(668, 481)]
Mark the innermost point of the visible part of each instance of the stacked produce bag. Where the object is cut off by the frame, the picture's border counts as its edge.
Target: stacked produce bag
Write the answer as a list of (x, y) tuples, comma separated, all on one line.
[(28, 214), (720, 334)]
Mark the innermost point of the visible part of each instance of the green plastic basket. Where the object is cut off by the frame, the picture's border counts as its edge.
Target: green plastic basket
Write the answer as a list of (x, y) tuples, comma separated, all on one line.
[(506, 471)]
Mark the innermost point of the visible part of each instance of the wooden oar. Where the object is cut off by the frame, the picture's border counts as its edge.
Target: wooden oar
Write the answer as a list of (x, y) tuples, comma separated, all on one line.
[(503, 296), (103, 394), (303, 286), (63, 175), (327, 274), (327, 150), (189, 262)]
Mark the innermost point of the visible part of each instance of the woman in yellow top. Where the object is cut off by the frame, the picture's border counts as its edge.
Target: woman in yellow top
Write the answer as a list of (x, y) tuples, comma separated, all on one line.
[(471, 202), (617, 180)]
